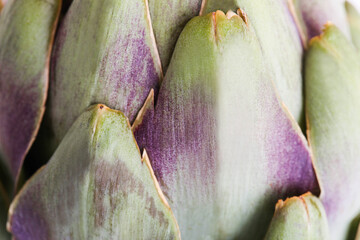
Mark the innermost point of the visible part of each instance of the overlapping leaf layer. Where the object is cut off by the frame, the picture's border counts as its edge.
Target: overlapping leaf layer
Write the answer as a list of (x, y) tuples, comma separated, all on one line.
[(218, 142), (220, 138), (96, 186)]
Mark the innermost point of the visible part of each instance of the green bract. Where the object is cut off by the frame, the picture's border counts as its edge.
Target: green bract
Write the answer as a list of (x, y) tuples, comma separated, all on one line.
[(95, 186), (27, 29), (219, 130), (279, 41), (332, 86), (299, 218), (354, 22), (104, 53), (169, 119), (168, 19)]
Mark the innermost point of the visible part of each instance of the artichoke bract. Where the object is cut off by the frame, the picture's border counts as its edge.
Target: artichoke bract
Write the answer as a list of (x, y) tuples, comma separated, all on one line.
[(170, 119), (27, 28), (332, 83), (219, 138), (354, 22), (104, 52), (299, 218), (280, 43), (316, 13), (96, 186), (168, 19)]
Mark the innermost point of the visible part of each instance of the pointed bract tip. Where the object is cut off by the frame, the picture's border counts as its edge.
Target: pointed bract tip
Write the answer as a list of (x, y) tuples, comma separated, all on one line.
[(282, 203), (231, 14), (219, 12), (243, 15), (326, 28), (145, 159), (327, 25), (148, 104)]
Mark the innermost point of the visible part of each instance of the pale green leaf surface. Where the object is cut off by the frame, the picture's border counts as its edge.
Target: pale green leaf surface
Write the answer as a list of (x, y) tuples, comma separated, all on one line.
[(299, 218), (96, 186), (280, 44), (168, 19), (27, 29), (353, 17), (221, 144), (332, 81), (104, 53)]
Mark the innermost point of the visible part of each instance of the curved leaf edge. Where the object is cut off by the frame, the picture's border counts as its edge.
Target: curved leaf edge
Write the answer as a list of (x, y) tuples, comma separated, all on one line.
[(144, 158), (152, 36), (42, 110), (308, 125)]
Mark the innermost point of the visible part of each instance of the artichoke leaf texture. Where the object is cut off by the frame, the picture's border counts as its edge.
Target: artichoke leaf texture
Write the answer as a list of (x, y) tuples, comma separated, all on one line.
[(355, 3), (281, 43), (104, 52), (299, 218), (168, 19), (27, 29), (95, 186), (316, 13), (353, 17), (332, 82), (222, 145)]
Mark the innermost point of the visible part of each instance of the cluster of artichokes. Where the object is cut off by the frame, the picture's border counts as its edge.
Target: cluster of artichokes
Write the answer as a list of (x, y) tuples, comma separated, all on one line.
[(169, 119)]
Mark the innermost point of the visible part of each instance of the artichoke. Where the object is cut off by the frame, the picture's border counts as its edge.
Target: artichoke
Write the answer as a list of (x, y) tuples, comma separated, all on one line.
[(300, 217), (170, 119)]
